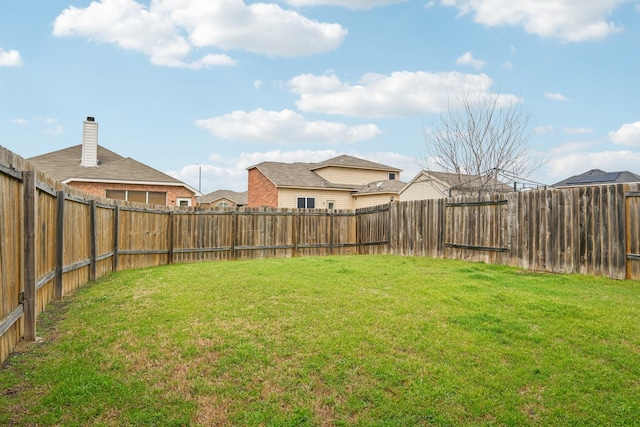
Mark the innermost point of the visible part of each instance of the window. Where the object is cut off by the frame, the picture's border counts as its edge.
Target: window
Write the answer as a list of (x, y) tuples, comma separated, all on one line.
[(117, 194), (137, 196), (392, 176), (306, 202), (183, 202), (151, 197), (157, 198), (331, 204), (223, 205)]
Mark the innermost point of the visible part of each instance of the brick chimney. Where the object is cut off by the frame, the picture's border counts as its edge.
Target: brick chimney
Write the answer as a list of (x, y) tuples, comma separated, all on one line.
[(89, 143)]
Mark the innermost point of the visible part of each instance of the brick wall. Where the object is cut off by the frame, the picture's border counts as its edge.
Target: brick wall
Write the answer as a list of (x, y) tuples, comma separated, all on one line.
[(100, 189), (262, 192)]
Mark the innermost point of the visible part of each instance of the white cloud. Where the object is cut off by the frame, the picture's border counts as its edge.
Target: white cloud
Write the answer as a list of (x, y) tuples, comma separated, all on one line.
[(577, 131), (468, 59), (258, 84), (54, 130), (507, 65), (20, 121), (211, 60), (231, 173), (628, 134), (10, 58), (401, 93), (169, 30), (543, 129), (351, 4), (565, 163), (283, 127), (555, 96), (566, 20), (48, 125)]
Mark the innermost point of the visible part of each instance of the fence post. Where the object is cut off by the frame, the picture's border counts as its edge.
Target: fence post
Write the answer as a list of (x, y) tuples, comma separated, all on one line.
[(294, 232), (172, 217), (331, 233), (93, 268), (234, 234), (393, 227), (30, 221), (357, 228), (627, 232), (58, 286), (116, 228)]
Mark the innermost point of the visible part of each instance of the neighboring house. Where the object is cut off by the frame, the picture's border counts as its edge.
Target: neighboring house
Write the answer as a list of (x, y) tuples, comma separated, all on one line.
[(223, 199), (343, 182), (435, 185), (598, 177), (96, 170)]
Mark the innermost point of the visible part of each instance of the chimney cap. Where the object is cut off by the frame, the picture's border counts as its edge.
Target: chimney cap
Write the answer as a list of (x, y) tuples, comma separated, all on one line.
[(91, 119)]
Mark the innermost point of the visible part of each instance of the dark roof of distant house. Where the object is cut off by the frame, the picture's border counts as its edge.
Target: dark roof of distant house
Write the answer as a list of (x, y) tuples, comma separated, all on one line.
[(239, 198), (598, 176), (64, 165)]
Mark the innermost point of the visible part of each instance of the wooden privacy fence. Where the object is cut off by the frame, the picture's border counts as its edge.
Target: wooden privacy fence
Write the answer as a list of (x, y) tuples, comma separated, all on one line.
[(589, 230), (54, 238)]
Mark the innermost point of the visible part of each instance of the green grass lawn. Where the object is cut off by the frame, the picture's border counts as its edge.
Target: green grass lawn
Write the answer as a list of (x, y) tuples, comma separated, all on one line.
[(334, 341)]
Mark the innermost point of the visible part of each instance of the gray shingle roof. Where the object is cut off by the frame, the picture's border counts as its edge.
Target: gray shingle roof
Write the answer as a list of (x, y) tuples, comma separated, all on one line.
[(381, 187), (64, 165), (296, 175), (597, 176), (353, 162)]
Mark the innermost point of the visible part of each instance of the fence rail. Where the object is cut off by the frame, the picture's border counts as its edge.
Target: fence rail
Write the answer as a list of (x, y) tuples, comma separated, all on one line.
[(54, 238)]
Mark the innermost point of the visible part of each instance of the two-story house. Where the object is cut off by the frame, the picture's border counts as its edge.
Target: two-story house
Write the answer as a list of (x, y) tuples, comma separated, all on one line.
[(342, 182)]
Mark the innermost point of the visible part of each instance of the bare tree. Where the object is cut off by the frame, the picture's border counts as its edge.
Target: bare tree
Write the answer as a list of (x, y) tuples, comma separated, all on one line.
[(483, 135)]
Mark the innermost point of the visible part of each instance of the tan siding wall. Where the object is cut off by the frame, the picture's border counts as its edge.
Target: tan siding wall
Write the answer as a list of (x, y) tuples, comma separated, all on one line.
[(353, 176), (100, 189), (423, 191), (262, 192), (373, 200), (288, 198)]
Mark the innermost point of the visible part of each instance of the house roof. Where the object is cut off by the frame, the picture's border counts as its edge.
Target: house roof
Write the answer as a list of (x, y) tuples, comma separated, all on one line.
[(598, 176), (235, 197), (296, 175), (64, 165), (351, 162), (381, 187), (457, 181)]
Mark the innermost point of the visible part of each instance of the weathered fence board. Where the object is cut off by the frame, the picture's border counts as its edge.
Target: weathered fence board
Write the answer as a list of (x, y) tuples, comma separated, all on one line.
[(11, 250)]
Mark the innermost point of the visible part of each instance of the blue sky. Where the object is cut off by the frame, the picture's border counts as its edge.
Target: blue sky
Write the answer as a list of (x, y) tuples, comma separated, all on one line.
[(209, 87)]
